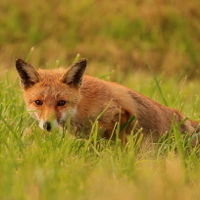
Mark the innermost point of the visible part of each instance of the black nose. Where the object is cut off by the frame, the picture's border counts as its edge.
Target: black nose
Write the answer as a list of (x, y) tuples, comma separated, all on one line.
[(47, 126)]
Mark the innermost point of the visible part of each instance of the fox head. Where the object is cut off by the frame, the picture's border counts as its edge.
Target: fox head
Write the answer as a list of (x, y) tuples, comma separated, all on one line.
[(51, 96)]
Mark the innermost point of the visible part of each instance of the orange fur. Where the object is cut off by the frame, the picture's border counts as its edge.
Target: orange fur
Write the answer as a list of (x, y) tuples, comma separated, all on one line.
[(88, 97)]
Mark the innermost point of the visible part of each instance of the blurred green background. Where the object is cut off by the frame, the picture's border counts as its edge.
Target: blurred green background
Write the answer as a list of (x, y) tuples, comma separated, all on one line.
[(120, 39), (124, 35)]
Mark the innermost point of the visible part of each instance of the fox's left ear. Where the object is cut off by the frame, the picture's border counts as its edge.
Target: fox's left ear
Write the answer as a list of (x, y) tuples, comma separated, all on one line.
[(73, 77)]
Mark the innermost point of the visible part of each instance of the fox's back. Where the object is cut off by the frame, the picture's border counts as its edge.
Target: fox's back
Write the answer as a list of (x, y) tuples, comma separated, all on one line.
[(150, 115)]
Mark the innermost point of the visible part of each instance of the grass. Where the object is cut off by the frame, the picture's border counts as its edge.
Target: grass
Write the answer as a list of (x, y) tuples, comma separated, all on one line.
[(164, 34), (41, 165), (120, 40)]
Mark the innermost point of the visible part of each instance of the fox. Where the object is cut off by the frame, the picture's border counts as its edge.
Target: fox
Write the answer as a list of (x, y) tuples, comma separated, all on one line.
[(54, 96)]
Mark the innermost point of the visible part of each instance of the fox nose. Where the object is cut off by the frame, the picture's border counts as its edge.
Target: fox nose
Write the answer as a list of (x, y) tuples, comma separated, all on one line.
[(47, 126)]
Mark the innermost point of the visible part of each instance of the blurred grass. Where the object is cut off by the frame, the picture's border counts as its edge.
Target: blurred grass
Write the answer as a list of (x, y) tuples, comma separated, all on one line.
[(128, 34), (120, 39), (39, 165)]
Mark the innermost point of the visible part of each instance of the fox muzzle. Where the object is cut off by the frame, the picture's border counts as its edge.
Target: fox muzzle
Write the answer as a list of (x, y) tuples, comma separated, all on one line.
[(47, 126)]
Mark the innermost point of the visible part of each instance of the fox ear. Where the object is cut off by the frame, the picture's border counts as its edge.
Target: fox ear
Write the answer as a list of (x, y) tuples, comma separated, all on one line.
[(73, 77), (29, 76)]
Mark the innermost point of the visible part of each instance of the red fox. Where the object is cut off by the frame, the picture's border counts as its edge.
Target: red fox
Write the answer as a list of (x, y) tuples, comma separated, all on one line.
[(61, 94)]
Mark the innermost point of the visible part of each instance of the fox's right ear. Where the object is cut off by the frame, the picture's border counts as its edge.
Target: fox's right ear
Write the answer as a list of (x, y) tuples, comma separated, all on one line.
[(29, 76)]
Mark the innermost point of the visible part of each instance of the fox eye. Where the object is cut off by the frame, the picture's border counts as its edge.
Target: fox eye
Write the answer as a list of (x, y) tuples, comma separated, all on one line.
[(61, 103), (38, 102)]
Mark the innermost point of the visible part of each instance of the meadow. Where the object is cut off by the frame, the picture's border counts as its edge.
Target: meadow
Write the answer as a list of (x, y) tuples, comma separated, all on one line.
[(150, 46)]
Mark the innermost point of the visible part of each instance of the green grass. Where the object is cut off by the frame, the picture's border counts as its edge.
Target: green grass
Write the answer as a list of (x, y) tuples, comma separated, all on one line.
[(163, 34), (120, 40), (41, 165)]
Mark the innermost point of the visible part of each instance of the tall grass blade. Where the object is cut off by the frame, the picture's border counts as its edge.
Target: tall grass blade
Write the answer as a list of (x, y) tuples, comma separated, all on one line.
[(158, 85)]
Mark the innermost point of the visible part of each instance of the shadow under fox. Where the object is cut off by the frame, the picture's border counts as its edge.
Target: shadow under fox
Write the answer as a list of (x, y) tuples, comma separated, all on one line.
[(59, 94)]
